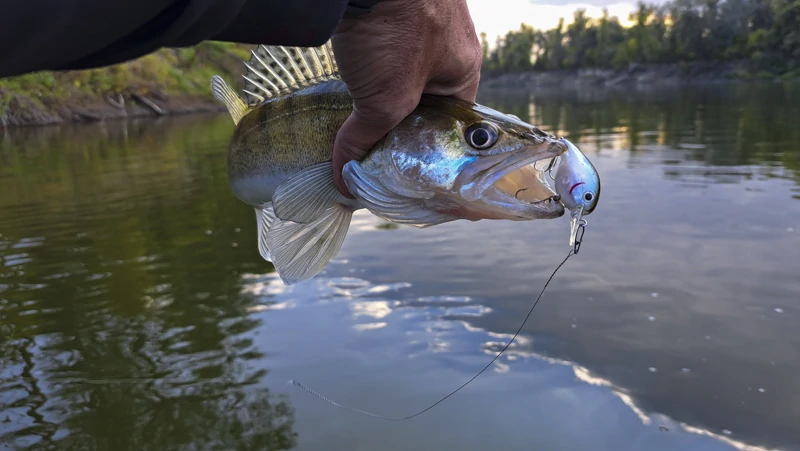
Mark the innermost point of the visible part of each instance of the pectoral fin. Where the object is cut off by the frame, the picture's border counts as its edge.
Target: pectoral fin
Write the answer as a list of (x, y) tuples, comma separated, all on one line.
[(306, 196), (300, 251), (307, 226)]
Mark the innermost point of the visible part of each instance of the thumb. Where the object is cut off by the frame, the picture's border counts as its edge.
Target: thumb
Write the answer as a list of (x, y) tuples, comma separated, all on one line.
[(355, 139)]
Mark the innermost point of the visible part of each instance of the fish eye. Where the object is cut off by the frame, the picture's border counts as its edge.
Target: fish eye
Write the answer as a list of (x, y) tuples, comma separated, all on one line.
[(588, 197), (481, 135)]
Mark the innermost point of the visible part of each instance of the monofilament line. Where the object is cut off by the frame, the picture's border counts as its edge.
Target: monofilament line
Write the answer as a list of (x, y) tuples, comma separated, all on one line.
[(330, 401)]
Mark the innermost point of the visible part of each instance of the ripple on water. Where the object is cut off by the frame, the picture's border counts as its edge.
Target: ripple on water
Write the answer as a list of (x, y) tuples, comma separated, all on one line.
[(28, 242), (444, 299), (16, 259), (347, 283), (472, 310), (377, 309), (272, 306), (57, 275), (369, 326), (351, 287), (98, 276), (30, 286)]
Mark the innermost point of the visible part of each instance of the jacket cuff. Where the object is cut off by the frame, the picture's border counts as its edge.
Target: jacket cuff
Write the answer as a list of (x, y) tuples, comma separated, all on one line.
[(360, 7)]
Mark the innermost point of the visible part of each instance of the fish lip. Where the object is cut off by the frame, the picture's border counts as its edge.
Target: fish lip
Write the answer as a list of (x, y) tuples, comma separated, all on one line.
[(549, 207)]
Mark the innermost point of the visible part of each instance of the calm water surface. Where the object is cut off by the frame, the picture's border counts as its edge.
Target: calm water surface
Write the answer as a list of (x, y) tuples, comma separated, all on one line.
[(136, 313)]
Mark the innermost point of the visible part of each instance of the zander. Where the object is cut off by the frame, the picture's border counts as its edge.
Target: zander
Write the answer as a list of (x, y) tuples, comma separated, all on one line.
[(447, 160)]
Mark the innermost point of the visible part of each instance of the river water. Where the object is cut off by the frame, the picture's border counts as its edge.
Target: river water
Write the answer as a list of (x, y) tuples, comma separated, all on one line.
[(136, 313)]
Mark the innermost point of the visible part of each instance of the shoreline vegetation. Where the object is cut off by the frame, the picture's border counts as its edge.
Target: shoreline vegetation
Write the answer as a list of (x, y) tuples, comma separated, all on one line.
[(672, 42), (638, 76), (166, 82), (678, 42)]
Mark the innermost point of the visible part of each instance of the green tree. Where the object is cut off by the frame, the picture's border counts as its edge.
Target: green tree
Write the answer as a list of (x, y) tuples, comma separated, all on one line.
[(763, 33), (786, 31)]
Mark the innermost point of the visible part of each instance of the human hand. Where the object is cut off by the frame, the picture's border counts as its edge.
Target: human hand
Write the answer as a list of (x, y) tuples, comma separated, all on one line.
[(390, 57)]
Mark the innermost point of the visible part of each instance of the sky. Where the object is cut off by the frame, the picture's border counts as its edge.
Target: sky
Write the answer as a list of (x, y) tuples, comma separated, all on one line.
[(496, 17)]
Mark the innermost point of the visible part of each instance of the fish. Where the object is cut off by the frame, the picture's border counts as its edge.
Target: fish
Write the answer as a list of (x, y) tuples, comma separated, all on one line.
[(448, 160), (578, 184)]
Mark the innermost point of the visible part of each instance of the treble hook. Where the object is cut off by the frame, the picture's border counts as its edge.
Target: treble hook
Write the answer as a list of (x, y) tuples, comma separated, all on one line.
[(579, 236), (552, 164)]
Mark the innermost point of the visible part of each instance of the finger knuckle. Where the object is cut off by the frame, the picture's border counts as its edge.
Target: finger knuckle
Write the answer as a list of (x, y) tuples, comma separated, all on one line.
[(351, 152), (386, 108)]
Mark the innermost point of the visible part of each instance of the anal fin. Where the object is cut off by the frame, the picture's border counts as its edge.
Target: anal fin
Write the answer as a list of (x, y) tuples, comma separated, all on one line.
[(265, 217), (300, 251)]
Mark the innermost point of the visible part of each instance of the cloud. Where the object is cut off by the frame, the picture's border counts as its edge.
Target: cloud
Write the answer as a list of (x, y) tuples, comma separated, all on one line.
[(587, 3), (592, 3)]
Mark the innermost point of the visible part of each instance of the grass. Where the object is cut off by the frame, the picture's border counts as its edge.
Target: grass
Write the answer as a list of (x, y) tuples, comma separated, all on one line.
[(183, 72)]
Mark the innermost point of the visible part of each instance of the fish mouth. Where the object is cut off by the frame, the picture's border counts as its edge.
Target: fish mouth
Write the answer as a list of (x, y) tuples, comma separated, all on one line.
[(512, 188), (525, 193), (527, 184)]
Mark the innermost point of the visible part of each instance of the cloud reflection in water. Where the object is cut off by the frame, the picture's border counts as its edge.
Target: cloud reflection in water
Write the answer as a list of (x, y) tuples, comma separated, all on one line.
[(440, 324)]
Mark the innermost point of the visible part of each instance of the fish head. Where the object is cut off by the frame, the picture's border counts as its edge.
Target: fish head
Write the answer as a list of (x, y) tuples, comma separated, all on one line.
[(578, 183), (461, 160)]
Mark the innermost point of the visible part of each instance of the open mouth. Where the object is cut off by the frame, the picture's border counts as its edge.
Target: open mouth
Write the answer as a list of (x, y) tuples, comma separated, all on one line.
[(511, 186), (527, 184)]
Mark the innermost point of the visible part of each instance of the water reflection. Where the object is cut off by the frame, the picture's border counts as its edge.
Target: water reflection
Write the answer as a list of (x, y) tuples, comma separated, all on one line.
[(437, 332), (121, 330), (136, 313), (716, 125)]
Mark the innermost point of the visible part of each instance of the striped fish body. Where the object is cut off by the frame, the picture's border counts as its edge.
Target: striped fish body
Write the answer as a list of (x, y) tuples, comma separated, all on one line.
[(282, 136), (447, 160)]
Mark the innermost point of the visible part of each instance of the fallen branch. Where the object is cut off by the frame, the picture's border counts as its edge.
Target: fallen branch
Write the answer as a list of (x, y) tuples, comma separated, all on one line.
[(87, 115), (120, 105), (149, 104)]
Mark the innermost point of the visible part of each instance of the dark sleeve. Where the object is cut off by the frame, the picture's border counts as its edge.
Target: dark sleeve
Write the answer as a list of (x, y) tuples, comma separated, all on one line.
[(78, 34)]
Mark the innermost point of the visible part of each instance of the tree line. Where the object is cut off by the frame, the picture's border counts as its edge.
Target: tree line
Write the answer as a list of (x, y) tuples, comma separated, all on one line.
[(763, 33)]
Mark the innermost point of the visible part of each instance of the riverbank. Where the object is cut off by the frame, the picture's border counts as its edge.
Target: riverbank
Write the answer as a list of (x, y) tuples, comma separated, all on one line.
[(637, 75), (167, 82), (176, 81)]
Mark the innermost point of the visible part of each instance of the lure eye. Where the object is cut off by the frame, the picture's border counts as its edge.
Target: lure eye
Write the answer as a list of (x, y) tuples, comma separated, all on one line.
[(588, 197), (481, 135)]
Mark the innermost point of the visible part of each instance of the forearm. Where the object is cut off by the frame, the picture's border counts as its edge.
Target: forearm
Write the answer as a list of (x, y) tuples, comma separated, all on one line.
[(77, 34)]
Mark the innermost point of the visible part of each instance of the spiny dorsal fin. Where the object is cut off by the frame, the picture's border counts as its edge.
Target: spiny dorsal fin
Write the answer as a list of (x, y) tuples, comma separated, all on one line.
[(274, 70), (225, 94)]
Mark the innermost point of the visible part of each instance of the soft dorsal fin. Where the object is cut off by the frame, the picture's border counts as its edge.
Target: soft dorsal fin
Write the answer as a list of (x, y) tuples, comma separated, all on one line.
[(225, 94), (274, 70)]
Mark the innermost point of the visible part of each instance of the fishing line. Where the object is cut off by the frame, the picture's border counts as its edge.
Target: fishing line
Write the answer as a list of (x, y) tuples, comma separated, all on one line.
[(572, 251)]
